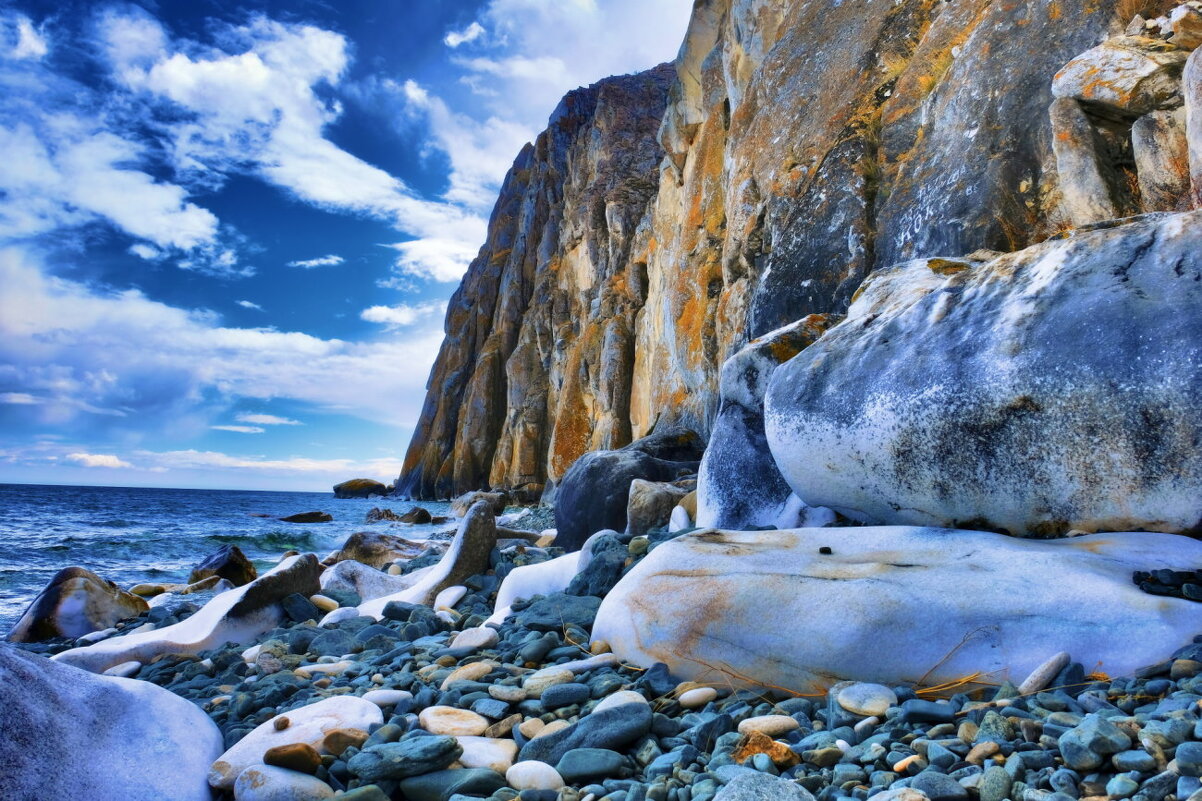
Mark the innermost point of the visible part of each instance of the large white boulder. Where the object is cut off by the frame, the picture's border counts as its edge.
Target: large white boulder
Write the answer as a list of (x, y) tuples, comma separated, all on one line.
[(237, 616), (67, 733), (894, 605), (366, 581), (1051, 389), (74, 603)]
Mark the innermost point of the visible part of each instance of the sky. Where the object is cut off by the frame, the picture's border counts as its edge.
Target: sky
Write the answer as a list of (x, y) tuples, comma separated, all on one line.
[(228, 230)]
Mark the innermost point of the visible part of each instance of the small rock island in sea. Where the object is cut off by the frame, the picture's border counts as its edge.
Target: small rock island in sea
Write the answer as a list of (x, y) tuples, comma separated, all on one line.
[(823, 415)]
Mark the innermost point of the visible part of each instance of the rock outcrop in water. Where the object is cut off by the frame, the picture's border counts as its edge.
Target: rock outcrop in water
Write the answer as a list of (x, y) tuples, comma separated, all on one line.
[(804, 145)]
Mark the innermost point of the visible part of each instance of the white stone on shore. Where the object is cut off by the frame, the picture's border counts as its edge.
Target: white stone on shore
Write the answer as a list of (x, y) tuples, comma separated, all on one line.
[(866, 698), (124, 670), (540, 680), (473, 671), (680, 519), (364, 580), (267, 783), (533, 775), (386, 698), (340, 614), (526, 581), (453, 721), (697, 697), (71, 734), (620, 698), (890, 604), (323, 602), (449, 597), (1042, 675), (324, 668), (225, 618), (771, 725), (308, 724), (487, 752), (478, 637)]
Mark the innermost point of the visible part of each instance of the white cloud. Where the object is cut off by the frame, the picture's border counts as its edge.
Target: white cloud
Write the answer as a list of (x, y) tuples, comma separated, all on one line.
[(97, 460), (402, 314), (469, 34), (145, 251), (19, 399), (437, 259), (268, 420), (240, 429), (19, 39), (322, 261), (194, 459), (246, 304), (97, 356)]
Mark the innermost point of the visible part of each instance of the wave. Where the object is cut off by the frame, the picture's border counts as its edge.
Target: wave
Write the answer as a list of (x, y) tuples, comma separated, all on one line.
[(118, 523), (270, 541)]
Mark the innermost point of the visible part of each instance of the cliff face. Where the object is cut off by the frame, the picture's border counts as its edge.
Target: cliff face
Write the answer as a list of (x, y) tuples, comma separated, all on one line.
[(803, 145)]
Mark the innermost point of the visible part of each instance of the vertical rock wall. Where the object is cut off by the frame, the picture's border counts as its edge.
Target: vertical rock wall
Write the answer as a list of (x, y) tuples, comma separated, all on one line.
[(803, 145)]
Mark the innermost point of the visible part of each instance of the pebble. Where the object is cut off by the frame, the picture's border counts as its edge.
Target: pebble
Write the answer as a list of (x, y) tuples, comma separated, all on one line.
[(267, 783), (618, 699), (551, 728), (1189, 759), (533, 775), (1042, 676), (124, 670), (393, 761), (536, 682), (452, 721), (479, 637), (584, 765), (300, 757), (323, 602), (449, 597), (484, 752), (697, 697), (531, 727), (338, 740), (863, 698), (561, 695), (1122, 786), (507, 693), (386, 698), (771, 725), (470, 672)]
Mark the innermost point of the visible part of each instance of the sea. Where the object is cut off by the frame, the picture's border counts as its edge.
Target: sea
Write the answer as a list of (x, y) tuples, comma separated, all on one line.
[(132, 535)]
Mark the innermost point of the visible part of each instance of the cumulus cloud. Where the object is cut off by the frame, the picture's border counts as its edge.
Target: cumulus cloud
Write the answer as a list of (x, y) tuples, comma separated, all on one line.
[(322, 261), (247, 304), (240, 429), (120, 360), (401, 314), (97, 460), (469, 34), (19, 39), (268, 420)]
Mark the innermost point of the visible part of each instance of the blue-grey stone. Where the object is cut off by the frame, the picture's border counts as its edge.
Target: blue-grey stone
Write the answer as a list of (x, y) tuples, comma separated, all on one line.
[(754, 786), (561, 695), (490, 708), (412, 757), (1122, 786), (1189, 759), (995, 784), (919, 710), (583, 765), (1084, 747), (940, 757), (334, 642), (1157, 787), (552, 612), (298, 608), (938, 787), (1141, 761), (441, 785), (613, 728)]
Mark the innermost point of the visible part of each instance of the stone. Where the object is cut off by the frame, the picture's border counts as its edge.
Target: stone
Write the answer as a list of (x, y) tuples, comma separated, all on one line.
[(467, 555), (377, 550), (864, 698), (417, 515), (762, 787), (449, 720), (75, 602), (1189, 759), (649, 505), (1161, 151), (61, 724), (938, 786), (474, 671), (594, 493), (995, 784), (236, 616), (307, 725), (1125, 74), (756, 745), (309, 517), (581, 766), (366, 582), (497, 500), (770, 725), (999, 349), (1186, 24), (487, 752), (614, 728), (561, 695), (738, 484), (543, 578), (1085, 746), (300, 757), (338, 740), (533, 775), (379, 515), (620, 698), (535, 684), (476, 638), (1087, 181), (386, 698), (553, 612), (265, 783), (227, 562), (1043, 674), (697, 697), (442, 785), (359, 488), (410, 757), (324, 603), (1019, 594), (1191, 89), (449, 597)]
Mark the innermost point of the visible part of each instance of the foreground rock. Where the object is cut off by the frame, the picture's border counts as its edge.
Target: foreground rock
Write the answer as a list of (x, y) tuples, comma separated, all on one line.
[(893, 604), (462, 505), (75, 602), (228, 562), (234, 616), (739, 485), (1051, 389), (308, 517), (377, 550), (359, 488), (366, 582), (70, 734), (466, 556), (595, 491)]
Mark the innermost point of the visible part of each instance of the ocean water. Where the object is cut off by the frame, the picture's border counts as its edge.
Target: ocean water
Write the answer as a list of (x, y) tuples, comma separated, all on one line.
[(131, 535)]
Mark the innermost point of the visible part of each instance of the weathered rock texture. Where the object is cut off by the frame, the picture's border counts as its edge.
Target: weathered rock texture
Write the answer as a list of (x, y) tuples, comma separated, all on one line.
[(1056, 388), (74, 603), (804, 144)]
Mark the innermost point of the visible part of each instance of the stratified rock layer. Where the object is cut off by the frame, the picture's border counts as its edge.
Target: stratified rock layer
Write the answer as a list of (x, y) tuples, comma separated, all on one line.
[(1052, 389), (804, 144), (894, 605)]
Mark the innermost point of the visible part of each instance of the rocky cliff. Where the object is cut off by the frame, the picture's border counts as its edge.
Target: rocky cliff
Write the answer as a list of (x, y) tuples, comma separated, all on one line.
[(665, 219)]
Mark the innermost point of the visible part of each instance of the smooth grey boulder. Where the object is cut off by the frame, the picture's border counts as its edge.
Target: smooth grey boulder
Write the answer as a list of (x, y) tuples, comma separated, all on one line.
[(1051, 389), (74, 603), (1191, 89), (595, 491), (893, 605), (236, 616), (70, 734), (738, 484)]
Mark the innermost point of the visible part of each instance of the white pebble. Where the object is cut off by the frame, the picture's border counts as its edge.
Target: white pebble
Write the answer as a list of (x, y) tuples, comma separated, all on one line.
[(533, 775), (620, 698), (697, 697), (1042, 676), (864, 698), (449, 597)]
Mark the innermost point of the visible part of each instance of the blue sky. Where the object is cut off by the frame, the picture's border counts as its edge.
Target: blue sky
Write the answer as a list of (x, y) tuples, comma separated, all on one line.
[(228, 230)]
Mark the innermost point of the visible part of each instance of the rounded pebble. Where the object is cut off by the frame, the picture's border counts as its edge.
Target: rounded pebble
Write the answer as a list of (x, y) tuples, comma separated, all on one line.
[(698, 697), (532, 775), (863, 698), (452, 721)]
